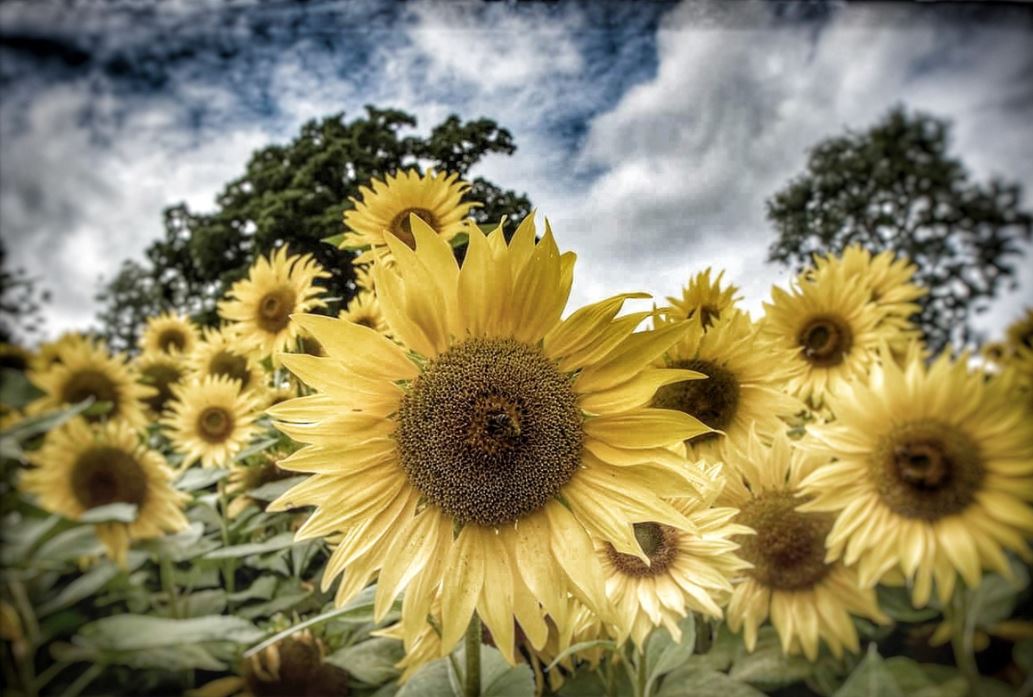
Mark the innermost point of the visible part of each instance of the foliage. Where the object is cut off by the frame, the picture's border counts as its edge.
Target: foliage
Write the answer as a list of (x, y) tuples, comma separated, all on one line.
[(21, 303), (895, 186), (293, 194)]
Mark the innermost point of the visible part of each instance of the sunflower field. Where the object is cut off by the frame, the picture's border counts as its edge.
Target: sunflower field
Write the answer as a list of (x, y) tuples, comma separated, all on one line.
[(461, 486)]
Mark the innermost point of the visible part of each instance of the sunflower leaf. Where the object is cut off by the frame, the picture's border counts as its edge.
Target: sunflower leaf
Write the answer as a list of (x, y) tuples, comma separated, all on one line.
[(581, 646), (111, 513), (372, 662)]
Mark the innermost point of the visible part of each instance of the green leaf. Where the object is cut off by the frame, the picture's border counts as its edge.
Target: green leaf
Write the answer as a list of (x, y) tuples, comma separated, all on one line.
[(168, 658), (140, 632), (111, 513), (19, 538), (1022, 654), (181, 546), (72, 544), (255, 448), (463, 238), (663, 654), (995, 597), (202, 603), (579, 647), (870, 679), (726, 645), (767, 667), (705, 684), (197, 478), (429, 681), (16, 391), (89, 583), (895, 601), (262, 589), (273, 544), (334, 240), (273, 490), (499, 679), (372, 662), (583, 683), (12, 438)]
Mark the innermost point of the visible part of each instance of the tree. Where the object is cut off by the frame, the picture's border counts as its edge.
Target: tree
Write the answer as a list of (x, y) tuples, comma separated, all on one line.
[(21, 303), (896, 187), (294, 194)]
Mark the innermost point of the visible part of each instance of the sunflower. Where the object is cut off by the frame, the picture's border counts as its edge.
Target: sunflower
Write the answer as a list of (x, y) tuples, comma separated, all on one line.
[(387, 207), (160, 371), (808, 597), (744, 385), (933, 477), (85, 370), (292, 667), (439, 463), (888, 278), (211, 421), (81, 467), (687, 570), (219, 355), (832, 328), (169, 333), (49, 352), (705, 299), (260, 305), (1020, 333), (13, 357), (364, 278), (363, 309)]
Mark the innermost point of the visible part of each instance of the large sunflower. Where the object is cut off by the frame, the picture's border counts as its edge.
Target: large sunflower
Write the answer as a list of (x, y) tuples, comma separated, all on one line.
[(832, 328), (160, 371), (688, 570), (435, 198), (934, 474), (211, 420), (220, 355), (84, 370), (260, 305), (746, 378), (169, 333), (475, 459), (807, 597), (49, 352), (81, 467), (704, 299)]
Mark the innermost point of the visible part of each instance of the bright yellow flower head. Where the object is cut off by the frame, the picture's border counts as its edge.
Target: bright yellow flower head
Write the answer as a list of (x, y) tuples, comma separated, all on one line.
[(85, 370), (934, 474), (49, 352), (81, 467), (260, 306), (746, 379), (688, 570), (211, 421), (808, 598), (832, 328), (435, 198), (888, 278), (365, 310), (169, 333), (220, 354), (704, 299), (439, 462), (159, 371)]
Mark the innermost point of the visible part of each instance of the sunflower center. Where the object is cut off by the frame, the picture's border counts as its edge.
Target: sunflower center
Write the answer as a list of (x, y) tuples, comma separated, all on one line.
[(84, 384), (231, 365), (401, 226), (788, 551), (927, 470), (215, 424), (105, 475), (490, 431), (172, 338), (293, 668), (160, 376), (275, 308), (713, 400), (825, 340), (658, 542)]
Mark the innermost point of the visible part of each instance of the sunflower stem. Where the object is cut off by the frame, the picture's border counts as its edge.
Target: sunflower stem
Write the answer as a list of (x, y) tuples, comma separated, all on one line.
[(472, 679), (963, 630), (168, 585), (229, 565)]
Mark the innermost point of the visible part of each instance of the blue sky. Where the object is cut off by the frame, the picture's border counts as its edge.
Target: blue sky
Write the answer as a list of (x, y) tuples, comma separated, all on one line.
[(650, 134)]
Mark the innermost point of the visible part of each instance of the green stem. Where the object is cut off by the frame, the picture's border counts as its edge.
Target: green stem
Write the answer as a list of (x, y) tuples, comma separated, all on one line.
[(963, 630), (168, 585), (640, 682), (472, 679), (229, 566), (26, 664), (84, 680)]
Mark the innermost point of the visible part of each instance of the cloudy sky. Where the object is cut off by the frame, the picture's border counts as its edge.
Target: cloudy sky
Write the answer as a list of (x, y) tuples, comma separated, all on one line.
[(650, 134)]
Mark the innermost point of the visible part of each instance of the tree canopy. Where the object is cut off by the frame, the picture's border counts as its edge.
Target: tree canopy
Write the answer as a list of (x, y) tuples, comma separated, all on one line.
[(895, 186), (294, 194)]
